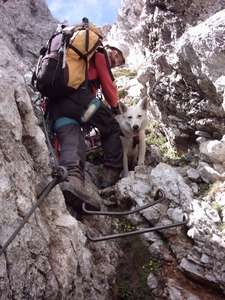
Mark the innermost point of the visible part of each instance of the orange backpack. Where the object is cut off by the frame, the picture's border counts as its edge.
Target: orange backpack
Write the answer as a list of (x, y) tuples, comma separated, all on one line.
[(63, 62)]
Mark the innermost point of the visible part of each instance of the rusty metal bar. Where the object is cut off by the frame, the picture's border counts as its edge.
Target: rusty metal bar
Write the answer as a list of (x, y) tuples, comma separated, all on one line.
[(125, 234), (157, 199)]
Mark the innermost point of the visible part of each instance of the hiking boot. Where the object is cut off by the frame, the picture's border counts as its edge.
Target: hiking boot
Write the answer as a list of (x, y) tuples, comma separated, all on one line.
[(110, 178), (75, 194)]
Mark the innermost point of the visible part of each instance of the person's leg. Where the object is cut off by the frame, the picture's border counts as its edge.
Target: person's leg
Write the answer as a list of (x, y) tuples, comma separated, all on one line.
[(111, 144), (73, 107), (72, 156), (72, 149)]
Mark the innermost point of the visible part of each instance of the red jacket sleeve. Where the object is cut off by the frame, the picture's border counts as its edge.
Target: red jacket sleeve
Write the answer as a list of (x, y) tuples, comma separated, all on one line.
[(98, 69)]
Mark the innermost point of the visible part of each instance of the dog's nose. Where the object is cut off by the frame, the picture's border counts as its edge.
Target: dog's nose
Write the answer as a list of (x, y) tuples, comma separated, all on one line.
[(135, 127)]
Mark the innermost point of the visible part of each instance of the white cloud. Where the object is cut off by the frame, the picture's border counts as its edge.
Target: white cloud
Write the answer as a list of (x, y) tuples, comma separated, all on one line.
[(97, 11)]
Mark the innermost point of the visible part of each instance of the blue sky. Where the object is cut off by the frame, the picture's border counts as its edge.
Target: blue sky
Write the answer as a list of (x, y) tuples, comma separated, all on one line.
[(98, 12)]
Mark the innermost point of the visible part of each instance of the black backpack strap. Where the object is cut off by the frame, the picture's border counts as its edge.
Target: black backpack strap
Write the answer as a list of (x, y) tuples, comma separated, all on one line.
[(61, 52), (86, 26), (102, 50)]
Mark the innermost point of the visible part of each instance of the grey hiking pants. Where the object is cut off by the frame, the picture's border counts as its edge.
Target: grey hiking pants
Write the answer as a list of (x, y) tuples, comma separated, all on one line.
[(71, 138)]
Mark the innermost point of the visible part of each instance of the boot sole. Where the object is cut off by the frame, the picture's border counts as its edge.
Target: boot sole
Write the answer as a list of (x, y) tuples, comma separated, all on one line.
[(76, 202)]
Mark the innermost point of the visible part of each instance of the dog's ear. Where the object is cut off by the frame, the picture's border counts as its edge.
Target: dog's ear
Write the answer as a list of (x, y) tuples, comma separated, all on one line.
[(122, 107), (144, 103)]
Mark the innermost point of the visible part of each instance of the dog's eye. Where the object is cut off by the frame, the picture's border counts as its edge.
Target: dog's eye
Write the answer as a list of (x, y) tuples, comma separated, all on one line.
[(129, 117), (139, 116)]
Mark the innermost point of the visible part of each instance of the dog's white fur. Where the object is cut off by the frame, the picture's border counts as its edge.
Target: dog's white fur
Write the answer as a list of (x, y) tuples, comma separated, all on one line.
[(133, 121)]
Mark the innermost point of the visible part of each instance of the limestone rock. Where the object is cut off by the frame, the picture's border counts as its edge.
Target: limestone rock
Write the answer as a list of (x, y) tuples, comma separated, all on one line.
[(178, 49)]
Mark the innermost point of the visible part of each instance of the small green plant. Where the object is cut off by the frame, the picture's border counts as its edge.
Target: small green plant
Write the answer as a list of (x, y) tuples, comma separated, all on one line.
[(155, 136), (126, 291), (204, 188), (95, 156), (153, 266), (214, 188), (222, 226), (124, 72), (193, 165), (135, 268), (127, 227), (122, 93), (129, 292), (217, 207)]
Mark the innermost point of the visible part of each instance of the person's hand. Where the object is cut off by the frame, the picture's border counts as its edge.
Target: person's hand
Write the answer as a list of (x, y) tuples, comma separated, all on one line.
[(115, 110)]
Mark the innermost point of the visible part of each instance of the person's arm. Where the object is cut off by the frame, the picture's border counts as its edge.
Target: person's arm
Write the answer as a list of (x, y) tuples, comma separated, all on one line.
[(108, 88)]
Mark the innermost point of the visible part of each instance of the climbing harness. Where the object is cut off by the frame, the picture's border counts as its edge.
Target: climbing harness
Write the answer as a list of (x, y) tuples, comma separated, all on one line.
[(91, 134), (159, 197), (135, 139)]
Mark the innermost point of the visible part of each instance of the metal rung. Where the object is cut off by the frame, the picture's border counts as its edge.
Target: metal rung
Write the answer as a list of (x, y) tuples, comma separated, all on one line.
[(157, 199), (121, 235)]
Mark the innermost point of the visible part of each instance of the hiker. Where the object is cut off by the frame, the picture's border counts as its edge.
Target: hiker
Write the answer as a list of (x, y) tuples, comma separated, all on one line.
[(70, 108)]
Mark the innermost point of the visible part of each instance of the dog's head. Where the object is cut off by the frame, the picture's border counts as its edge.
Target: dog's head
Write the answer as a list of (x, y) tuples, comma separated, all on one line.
[(134, 118)]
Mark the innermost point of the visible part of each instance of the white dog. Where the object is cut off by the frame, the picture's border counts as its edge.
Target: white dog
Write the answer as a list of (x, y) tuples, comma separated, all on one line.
[(133, 121)]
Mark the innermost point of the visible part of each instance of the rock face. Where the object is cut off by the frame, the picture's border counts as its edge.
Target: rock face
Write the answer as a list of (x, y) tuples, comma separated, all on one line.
[(184, 76), (178, 49), (50, 258), (26, 23), (201, 260)]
